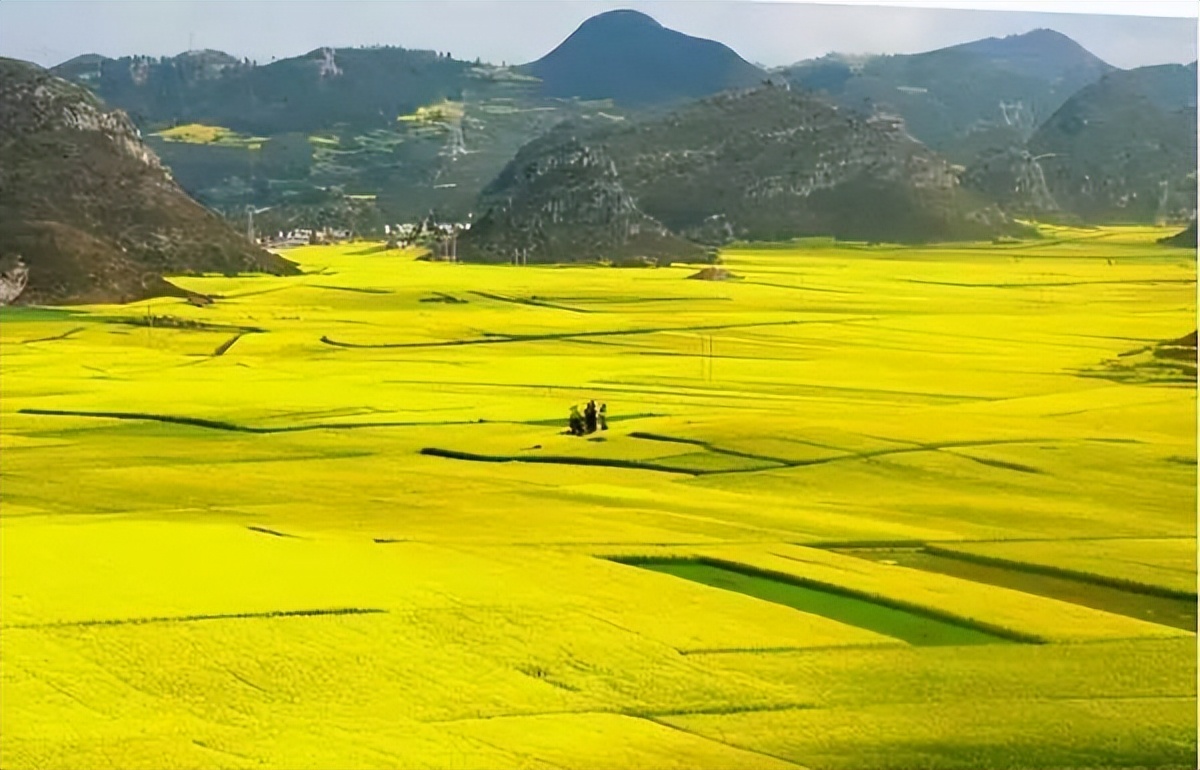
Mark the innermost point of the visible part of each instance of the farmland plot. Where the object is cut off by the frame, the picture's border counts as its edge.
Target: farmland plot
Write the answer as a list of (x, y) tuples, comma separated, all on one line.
[(334, 519)]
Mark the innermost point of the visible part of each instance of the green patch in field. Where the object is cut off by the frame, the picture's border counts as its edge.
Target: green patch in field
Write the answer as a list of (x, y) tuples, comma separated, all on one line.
[(1141, 602), (904, 624), (18, 314)]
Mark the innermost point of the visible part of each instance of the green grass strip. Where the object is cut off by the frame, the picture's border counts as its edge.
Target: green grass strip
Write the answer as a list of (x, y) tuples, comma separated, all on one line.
[(915, 624)]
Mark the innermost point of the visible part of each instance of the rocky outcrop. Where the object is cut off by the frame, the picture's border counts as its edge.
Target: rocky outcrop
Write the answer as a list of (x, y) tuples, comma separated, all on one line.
[(1015, 178), (13, 279), (87, 209), (562, 200), (773, 163)]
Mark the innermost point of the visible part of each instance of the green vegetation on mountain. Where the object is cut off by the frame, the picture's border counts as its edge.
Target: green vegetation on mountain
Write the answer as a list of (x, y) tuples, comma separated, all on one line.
[(300, 135), (1124, 149), (419, 130), (363, 87), (87, 212)]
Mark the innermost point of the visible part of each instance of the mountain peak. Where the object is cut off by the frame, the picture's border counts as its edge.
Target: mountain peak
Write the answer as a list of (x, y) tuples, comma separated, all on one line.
[(1040, 50), (629, 57), (623, 17), (1041, 34)]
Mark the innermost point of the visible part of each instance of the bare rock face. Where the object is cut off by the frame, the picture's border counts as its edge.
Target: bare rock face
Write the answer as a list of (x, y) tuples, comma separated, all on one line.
[(12, 282), (86, 208), (1015, 178)]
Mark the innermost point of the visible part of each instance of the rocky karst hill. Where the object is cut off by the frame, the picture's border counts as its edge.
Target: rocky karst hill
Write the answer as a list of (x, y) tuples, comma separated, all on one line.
[(631, 58), (763, 164), (561, 200), (1124, 149), (1120, 150), (87, 212)]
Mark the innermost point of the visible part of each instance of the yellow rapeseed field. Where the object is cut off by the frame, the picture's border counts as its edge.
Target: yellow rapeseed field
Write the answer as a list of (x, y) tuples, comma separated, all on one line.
[(334, 520), (201, 133)]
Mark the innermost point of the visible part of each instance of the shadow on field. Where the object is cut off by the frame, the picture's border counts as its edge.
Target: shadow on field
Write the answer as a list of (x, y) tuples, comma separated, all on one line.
[(497, 339), (1156, 604)]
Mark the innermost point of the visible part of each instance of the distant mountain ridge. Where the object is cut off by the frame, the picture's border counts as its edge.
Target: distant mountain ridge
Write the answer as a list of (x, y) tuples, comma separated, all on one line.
[(629, 57), (310, 92), (965, 98), (1041, 53), (87, 212)]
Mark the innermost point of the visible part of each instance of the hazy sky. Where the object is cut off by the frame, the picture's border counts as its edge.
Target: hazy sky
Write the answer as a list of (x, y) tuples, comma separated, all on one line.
[(517, 31)]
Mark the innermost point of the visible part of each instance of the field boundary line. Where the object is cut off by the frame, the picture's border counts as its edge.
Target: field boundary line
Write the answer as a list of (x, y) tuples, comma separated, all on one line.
[(202, 422), (63, 336), (451, 454), (193, 618), (502, 338), (531, 301), (711, 739), (791, 650)]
